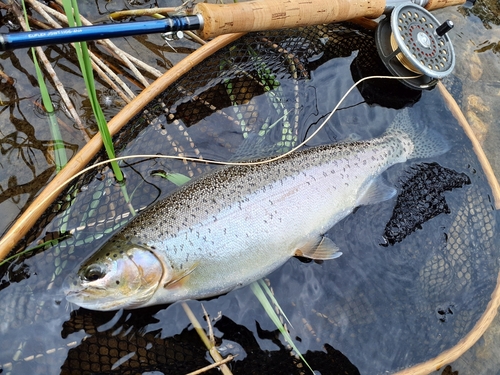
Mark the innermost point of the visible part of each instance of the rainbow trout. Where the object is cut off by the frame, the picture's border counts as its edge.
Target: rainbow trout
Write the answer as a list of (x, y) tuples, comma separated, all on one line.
[(239, 223)]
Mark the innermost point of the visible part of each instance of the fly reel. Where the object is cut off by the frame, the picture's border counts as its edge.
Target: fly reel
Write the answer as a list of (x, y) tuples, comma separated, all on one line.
[(411, 42)]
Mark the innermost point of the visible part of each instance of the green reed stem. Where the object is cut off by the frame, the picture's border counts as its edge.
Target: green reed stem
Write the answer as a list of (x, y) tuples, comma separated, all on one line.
[(71, 9), (61, 158), (73, 14)]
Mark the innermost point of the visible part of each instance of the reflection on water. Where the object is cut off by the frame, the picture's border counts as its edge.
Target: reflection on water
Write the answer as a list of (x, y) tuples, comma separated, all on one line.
[(372, 310)]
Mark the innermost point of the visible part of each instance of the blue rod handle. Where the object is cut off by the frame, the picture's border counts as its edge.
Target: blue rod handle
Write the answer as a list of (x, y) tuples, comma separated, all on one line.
[(27, 39)]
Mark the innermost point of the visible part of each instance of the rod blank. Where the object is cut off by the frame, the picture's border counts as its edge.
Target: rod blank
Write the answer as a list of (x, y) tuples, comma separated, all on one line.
[(86, 33)]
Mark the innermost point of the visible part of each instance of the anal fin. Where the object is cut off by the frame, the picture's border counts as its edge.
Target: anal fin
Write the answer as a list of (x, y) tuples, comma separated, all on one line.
[(375, 192)]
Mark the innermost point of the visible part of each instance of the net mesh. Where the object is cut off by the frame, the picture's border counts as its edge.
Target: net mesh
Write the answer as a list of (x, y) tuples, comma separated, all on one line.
[(374, 310)]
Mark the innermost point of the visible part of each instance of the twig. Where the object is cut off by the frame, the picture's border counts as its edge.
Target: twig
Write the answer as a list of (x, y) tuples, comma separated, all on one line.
[(117, 69), (7, 79), (210, 329), (195, 37), (211, 348), (115, 50), (120, 54), (37, 6), (30, 19), (229, 358), (48, 67)]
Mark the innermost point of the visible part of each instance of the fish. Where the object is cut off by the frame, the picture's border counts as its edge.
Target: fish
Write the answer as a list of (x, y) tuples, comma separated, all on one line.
[(239, 223)]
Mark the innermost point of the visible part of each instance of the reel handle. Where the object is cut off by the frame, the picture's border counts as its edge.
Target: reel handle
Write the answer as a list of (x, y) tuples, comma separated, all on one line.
[(260, 15)]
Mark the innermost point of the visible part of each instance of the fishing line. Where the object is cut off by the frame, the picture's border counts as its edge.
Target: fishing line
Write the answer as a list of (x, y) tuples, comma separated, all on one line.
[(217, 162), (340, 109)]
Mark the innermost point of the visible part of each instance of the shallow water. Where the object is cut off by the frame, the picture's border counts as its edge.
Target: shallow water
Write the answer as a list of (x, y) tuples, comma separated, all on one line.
[(25, 170)]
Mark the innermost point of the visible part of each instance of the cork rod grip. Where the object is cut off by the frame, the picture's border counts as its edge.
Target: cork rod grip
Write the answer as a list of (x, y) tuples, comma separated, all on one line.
[(261, 15)]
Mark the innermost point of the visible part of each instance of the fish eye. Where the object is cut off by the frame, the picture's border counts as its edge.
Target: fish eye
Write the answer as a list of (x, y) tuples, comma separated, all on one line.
[(93, 273)]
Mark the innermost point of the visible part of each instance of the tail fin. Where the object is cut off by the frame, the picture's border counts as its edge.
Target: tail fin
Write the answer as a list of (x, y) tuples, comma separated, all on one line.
[(426, 142)]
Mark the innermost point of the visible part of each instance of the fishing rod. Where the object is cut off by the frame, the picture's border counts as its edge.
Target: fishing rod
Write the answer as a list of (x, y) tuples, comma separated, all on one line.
[(216, 19), (411, 40)]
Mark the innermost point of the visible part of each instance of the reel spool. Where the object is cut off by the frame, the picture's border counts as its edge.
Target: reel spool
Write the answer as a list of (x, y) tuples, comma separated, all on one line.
[(412, 42)]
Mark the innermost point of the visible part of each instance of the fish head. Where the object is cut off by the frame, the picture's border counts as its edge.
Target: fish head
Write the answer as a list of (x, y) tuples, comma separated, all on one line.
[(121, 274)]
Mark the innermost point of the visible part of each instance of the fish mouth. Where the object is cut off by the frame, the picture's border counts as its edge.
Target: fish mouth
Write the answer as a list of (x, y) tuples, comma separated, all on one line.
[(74, 291)]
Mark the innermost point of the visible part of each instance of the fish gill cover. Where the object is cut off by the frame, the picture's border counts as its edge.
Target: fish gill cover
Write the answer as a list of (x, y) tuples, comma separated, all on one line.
[(374, 310)]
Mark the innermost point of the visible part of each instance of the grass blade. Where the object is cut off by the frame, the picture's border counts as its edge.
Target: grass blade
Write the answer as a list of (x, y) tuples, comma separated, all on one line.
[(71, 10), (258, 290), (73, 15), (176, 178), (61, 158)]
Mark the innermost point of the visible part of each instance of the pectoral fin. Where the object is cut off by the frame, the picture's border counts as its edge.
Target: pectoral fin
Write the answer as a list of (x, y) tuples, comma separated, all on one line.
[(180, 276), (322, 250)]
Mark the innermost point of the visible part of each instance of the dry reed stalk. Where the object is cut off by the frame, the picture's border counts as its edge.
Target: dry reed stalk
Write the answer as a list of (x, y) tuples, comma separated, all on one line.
[(118, 53), (30, 19), (38, 7), (195, 37), (125, 90), (41, 9), (121, 55), (62, 18), (98, 66), (7, 79), (153, 71), (142, 12), (210, 345), (229, 358)]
